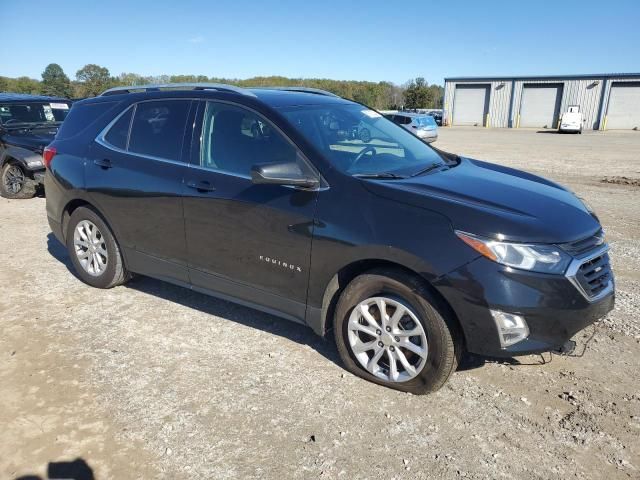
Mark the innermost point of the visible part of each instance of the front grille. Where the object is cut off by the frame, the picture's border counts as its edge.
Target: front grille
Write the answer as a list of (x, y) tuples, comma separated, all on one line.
[(584, 245), (594, 275)]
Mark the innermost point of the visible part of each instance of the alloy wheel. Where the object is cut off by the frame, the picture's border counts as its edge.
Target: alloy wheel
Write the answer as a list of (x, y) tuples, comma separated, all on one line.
[(90, 248), (13, 179), (387, 339)]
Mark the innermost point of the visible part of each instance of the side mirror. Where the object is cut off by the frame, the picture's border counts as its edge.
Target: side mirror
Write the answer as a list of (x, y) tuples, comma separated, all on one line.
[(285, 173)]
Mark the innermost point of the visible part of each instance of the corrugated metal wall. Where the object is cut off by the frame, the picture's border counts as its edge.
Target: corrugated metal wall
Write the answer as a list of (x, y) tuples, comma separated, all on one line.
[(607, 95), (592, 94), (499, 96)]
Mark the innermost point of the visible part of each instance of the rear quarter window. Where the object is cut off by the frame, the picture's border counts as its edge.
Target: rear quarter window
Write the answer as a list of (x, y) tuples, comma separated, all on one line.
[(81, 117)]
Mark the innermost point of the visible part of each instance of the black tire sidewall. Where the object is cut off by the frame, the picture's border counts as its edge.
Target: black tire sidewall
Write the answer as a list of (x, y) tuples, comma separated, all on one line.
[(106, 279), (403, 288)]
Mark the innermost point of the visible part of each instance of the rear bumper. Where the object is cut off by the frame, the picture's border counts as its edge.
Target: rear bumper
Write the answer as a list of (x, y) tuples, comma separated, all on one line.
[(56, 229), (553, 307)]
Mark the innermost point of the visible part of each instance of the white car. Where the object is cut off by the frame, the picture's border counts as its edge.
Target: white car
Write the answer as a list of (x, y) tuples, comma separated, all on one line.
[(571, 121), (424, 126)]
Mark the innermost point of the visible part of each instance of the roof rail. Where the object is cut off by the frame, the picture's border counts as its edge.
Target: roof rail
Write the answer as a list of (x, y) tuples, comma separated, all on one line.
[(317, 91), (221, 87)]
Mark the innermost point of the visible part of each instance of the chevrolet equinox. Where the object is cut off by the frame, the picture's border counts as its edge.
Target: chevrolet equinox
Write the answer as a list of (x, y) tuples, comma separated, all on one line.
[(405, 254)]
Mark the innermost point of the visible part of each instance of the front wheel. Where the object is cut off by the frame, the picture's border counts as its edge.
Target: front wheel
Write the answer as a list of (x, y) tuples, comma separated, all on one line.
[(15, 184), (94, 251), (390, 329)]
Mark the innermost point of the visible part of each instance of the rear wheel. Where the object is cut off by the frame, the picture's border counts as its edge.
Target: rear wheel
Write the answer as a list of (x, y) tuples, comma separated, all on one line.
[(14, 182), (389, 329), (94, 251)]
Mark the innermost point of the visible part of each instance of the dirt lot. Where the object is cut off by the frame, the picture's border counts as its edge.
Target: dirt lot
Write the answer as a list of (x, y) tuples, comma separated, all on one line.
[(154, 381)]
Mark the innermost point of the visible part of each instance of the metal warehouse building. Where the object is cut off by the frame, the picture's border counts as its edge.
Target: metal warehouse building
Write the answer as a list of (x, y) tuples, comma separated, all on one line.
[(607, 101)]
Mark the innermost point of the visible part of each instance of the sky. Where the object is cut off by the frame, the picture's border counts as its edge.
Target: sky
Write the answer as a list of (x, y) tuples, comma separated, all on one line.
[(371, 40)]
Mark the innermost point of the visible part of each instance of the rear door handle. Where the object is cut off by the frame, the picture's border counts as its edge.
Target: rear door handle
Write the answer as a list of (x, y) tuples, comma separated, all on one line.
[(202, 186), (104, 163)]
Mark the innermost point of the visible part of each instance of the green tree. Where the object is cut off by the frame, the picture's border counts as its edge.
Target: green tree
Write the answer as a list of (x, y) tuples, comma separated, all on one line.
[(55, 82), (418, 94), (94, 79), (24, 85)]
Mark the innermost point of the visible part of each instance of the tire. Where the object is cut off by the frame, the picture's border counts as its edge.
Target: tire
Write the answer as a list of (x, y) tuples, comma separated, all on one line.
[(365, 135), (398, 289), (15, 184), (107, 272)]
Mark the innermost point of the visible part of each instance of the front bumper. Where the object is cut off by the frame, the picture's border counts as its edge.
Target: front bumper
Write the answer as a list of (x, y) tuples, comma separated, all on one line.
[(552, 305), (38, 176)]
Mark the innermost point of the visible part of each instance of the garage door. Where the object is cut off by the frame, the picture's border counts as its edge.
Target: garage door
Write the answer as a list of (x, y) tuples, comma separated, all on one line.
[(624, 106), (470, 104), (540, 105)]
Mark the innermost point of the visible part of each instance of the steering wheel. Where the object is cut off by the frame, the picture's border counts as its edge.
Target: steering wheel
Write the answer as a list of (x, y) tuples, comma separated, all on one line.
[(11, 120), (364, 151)]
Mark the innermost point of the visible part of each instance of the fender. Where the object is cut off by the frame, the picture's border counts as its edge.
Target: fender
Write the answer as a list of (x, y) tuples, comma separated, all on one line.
[(364, 258), (28, 159)]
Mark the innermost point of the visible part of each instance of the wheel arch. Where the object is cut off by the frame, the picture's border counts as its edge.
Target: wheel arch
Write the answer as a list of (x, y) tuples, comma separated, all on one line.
[(18, 156), (72, 205), (347, 273)]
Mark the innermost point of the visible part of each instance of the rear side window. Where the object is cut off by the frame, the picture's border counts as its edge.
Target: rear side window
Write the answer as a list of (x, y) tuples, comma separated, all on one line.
[(158, 128), (80, 117), (119, 131)]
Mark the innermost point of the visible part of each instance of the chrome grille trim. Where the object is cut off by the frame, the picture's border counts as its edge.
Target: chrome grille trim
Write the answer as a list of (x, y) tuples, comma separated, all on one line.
[(574, 269)]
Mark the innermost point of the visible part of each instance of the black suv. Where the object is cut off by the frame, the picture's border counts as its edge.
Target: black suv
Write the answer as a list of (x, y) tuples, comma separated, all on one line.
[(406, 254), (27, 124)]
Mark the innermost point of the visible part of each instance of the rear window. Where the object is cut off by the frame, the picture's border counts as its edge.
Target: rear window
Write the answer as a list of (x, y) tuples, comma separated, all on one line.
[(80, 117), (427, 121), (158, 128), (119, 131)]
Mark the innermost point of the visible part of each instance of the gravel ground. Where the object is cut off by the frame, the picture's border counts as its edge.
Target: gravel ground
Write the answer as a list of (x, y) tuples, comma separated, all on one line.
[(150, 380)]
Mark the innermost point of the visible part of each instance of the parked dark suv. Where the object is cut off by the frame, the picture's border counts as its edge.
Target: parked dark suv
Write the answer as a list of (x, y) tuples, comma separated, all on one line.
[(27, 124), (406, 254)]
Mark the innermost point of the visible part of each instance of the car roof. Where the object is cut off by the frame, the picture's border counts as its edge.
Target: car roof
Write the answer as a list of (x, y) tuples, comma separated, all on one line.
[(274, 97), (23, 97), (411, 114), (285, 98)]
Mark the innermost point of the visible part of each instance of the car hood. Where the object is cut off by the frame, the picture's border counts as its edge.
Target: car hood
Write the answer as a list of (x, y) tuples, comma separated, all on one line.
[(35, 139), (494, 201)]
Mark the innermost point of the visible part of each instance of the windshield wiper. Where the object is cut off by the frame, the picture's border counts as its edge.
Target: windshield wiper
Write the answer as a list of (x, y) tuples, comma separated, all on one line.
[(384, 175), (428, 169)]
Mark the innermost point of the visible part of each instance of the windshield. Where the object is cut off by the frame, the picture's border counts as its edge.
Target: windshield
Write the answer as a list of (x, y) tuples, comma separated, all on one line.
[(361, 141), (29, 113), (426, 121)]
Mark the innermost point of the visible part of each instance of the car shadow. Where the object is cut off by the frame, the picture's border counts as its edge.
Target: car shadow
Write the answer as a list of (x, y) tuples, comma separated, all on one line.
[(77, 469), (213, 306), (248, 316), (471, 361)]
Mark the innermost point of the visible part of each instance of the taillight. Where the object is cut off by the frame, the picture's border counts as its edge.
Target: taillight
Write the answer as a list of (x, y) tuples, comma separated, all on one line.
[(47, 155)]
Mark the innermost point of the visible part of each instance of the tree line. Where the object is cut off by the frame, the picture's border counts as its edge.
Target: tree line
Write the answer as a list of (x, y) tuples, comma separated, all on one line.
[(91, 80)]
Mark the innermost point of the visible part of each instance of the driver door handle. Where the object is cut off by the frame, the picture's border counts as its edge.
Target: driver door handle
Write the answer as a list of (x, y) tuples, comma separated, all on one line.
[(105, 163), (202, 186)]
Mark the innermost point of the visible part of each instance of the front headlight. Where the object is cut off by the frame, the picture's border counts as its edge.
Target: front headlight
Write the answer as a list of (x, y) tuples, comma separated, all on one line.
[(34, 162), (533, 257)]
